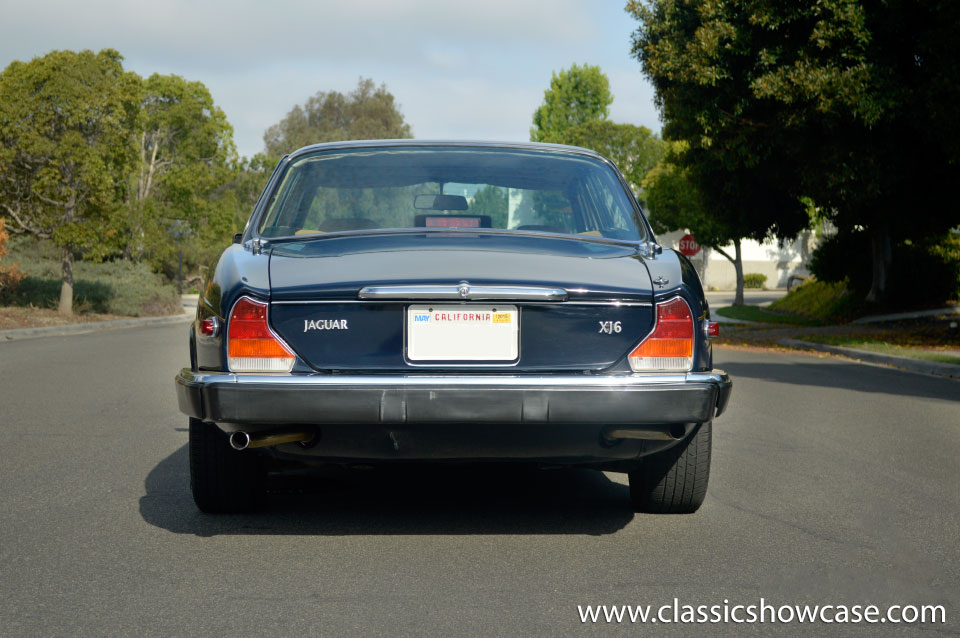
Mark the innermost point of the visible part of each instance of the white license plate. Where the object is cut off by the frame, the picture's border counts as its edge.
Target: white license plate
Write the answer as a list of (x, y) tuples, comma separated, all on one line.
[(463, 332)]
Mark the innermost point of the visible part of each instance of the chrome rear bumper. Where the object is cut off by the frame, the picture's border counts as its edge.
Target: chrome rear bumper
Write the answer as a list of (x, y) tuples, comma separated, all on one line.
[(254, 402)]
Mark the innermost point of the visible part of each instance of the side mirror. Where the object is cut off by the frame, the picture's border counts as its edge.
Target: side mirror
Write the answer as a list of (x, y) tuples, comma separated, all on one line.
[(237, 238)]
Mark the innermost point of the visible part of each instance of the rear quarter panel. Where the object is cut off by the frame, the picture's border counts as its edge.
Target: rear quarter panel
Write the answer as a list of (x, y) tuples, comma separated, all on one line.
[(238, 272), (679, 277)]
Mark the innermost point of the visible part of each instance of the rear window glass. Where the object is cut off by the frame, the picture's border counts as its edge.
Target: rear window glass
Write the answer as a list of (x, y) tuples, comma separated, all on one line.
[(450, 189)]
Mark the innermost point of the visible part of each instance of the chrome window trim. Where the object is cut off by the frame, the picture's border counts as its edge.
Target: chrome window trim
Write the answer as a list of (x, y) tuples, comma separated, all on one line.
[(253, 224)]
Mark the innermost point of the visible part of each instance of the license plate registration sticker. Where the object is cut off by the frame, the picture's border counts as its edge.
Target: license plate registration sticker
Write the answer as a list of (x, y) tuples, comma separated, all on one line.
[(463, 333)]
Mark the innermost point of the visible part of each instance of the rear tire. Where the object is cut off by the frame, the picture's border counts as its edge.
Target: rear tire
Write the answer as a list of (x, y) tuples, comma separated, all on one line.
[(674, 481), (222, 479)]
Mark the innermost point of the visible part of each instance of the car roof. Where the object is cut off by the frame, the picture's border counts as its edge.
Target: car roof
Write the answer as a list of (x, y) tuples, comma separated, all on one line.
[(532, 146)]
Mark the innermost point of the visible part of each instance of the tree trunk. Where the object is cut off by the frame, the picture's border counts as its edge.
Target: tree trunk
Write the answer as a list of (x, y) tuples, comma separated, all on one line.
[(737, 261), (738, 266), (882, 256), (66, 281)]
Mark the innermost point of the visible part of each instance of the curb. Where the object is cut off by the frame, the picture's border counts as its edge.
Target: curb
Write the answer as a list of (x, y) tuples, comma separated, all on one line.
[(953, 310), (904, 363), (93, 326)]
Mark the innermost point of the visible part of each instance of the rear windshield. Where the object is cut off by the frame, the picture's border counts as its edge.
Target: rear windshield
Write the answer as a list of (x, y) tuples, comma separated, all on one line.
[(450, 189)]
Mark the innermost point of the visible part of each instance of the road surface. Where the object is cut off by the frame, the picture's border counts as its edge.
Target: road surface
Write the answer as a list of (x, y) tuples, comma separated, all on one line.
[(833, 483)]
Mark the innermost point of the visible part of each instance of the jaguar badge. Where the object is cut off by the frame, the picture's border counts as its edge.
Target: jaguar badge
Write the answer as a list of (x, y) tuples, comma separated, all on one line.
[(324, 324)]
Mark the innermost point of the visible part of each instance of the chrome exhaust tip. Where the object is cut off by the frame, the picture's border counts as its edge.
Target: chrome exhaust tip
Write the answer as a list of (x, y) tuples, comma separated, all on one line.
[(239, 440), (247, 440)]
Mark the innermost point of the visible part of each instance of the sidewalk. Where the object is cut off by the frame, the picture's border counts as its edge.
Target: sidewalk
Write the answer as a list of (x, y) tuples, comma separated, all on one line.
[(189, 309), (751, 297)]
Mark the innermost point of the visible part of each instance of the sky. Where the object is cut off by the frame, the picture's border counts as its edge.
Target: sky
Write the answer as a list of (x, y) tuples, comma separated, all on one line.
[(459, 70)]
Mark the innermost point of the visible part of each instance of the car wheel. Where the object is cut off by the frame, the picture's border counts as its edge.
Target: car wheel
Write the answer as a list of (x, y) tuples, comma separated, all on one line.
[(674, 481), (222, 479)]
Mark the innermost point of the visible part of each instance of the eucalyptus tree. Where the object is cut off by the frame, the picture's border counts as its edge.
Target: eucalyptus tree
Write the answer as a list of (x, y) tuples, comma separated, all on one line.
[(368, 112), (184, 154)]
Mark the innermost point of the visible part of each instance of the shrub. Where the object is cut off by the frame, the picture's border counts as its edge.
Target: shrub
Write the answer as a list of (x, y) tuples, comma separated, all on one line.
[(924, 272), (754, 280), (119, 287), (10, 275), (820, 300)]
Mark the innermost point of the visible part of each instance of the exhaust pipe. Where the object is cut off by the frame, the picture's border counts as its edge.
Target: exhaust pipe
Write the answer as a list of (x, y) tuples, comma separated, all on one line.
[(249, 440), (671, 433)]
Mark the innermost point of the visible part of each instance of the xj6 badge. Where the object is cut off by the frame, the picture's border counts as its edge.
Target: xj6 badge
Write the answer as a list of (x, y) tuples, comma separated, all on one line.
[(610, 327)]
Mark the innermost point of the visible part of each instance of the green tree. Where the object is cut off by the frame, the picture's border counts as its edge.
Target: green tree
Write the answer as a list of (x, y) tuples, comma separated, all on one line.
[(249, 177), (577, 95), (634, 149), (853, 103), (185, 154), (368, 112), (724, 186), (65, 123), (675, 203), (491, 200), (574, 111)]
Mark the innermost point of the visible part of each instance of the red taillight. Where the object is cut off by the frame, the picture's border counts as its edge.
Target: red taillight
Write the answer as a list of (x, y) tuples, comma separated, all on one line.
[(251, 346), (670, 346), (210, 326), (711, 329)]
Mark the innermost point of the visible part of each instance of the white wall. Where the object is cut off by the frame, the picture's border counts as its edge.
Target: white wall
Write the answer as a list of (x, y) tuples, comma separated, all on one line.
[(767, 258)]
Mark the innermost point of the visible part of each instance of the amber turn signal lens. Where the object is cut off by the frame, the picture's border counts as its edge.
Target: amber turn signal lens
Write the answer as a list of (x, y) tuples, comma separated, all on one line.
[(670, 346), (251, 345)]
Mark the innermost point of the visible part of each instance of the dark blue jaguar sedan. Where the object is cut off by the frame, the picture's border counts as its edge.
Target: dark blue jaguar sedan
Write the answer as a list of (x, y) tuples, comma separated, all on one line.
[(443, 301)]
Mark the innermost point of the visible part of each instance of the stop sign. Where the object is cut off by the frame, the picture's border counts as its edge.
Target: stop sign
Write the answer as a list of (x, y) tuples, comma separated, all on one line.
[(689, 245)]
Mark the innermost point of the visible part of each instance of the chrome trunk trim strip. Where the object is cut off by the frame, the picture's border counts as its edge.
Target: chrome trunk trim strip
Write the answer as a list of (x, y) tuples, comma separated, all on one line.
[(463, 291), (576, 302)]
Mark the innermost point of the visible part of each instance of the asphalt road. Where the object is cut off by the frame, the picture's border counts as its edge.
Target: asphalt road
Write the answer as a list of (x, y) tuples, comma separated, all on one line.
[(832, 483)]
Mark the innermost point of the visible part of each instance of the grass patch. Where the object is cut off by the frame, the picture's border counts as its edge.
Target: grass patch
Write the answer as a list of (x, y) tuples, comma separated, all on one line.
[(762, 315), (820, 301), (884, 347)]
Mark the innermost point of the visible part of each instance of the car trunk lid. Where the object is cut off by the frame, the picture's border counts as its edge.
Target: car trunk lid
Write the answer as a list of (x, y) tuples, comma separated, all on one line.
[(347, 303)]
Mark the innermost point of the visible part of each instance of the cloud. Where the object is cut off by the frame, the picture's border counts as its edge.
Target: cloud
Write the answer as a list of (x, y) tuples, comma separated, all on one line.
[(224, 34)]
